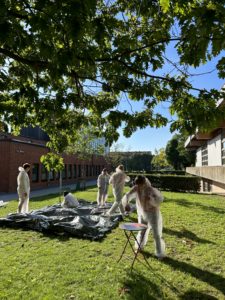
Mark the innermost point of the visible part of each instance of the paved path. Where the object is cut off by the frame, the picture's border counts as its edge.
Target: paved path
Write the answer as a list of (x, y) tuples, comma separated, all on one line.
[(43, 192)]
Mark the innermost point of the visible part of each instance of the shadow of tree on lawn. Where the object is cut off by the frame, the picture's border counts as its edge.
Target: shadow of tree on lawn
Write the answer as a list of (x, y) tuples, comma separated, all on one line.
[(184, 233), (45, 198), (136, 286), (212, 279), (186, 203), (196, 295)]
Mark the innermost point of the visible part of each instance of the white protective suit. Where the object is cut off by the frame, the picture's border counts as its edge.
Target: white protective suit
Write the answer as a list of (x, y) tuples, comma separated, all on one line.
[(148, 200), (70, 201), (23, 189), (103, 185), (118, 180)]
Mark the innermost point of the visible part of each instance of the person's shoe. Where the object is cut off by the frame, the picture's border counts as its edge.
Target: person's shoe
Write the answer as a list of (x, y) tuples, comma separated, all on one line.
[(139, 250)]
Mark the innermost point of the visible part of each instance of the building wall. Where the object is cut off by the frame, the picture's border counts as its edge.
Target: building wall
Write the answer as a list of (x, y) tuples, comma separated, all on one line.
[(212, 186), (198, 162), (4, 165), (214, 151), (216, 173), (14, 152), (218, 188), (21, 153)]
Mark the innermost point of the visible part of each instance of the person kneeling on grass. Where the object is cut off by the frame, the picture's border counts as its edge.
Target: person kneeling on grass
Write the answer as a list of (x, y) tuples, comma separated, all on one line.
[(148, 200), (69, 200)]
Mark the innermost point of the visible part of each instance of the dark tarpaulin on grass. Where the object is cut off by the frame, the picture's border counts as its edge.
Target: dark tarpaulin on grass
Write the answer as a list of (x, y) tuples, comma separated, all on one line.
[(85, 221)]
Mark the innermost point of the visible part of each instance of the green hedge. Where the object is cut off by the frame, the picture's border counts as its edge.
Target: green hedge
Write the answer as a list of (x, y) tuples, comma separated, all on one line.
[(163, 172), (175, 183)]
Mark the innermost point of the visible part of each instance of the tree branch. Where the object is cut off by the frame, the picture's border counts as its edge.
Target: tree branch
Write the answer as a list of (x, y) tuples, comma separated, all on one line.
[(34, 63), (17, 15), (119, 55), (136, 71)]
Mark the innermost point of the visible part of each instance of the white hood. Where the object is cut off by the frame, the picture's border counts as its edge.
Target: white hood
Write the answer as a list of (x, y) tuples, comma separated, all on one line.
[(21, 169)]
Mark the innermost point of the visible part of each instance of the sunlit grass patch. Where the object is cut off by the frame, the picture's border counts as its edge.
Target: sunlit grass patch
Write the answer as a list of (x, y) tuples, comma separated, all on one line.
[(37, 266)]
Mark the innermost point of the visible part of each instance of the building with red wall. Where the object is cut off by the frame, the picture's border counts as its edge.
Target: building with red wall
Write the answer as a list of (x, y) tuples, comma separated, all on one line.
[(16, 150)]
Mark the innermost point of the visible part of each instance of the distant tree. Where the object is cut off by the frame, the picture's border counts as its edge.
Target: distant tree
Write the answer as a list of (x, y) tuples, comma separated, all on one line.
[(134, 161), (176, 153), (85, 143), (159, 160), (3, 127), (115, 156)]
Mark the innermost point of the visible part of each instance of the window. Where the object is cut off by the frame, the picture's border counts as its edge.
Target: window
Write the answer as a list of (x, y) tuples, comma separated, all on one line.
[(205, 155), (64, 173), (35, 172), (74, 171), (79, 170), (57, 175), (44, 173), (69, 171), (51, 175), (86, 170), (93, 170), (206, 185), (90, 170), (223, 152)]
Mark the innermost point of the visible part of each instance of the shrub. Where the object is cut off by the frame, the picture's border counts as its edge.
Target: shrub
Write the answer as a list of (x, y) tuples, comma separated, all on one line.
[(175, 183)]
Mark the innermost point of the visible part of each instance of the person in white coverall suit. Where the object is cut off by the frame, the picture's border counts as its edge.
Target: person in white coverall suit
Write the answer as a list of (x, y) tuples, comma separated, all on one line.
[(118, 180), (69, 201), (23, 188), (103, 185), (148, 200)]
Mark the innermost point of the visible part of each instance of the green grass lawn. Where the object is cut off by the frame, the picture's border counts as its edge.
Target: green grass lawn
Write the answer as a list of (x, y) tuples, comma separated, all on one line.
[(37, 266)]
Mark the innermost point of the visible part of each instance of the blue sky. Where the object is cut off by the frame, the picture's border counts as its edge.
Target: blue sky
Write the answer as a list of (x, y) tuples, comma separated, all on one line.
[(149, 139)]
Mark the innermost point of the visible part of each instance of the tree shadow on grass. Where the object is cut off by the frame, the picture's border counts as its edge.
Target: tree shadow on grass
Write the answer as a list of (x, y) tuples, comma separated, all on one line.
[(196, 295), (186, 203), (212, 279), (184, 233), (136, 286), (45, 198)]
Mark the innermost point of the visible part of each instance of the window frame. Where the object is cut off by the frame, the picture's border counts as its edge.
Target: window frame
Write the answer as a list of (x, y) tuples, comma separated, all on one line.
[(204, 155), (37, 175)]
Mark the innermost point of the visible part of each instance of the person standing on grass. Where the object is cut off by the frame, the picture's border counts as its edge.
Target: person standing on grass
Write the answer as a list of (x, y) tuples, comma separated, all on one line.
[(23, 188), (148, 200), (118, 180), (103, 185)]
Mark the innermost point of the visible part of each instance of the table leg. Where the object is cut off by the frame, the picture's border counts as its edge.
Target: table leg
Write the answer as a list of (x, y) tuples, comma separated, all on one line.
[(128, 236), (139, 247), (128, 241)]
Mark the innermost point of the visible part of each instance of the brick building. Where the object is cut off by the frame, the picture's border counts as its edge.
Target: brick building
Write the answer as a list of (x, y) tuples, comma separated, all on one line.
[(29, 147)]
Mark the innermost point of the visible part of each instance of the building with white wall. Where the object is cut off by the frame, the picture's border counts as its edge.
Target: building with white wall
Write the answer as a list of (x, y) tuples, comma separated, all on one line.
[(210, 157)]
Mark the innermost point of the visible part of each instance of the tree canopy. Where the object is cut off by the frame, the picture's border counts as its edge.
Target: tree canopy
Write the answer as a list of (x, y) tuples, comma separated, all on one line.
[(67, 63), (177, 155), (159, 161), (137, 161), (132, 160)]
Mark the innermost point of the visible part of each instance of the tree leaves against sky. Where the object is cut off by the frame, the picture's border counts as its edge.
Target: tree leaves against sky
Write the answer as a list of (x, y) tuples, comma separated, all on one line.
[(67, 63)]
